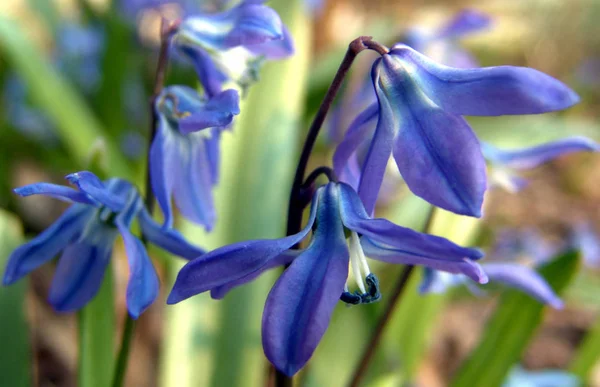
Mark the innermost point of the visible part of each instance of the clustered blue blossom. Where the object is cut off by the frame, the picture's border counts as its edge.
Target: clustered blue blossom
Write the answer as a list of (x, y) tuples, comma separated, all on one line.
[(418, 109)]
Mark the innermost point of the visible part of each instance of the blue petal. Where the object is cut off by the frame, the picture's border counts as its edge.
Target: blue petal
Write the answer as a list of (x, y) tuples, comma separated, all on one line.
[(519, 377), (213, 154), (211, 78), (56, 191), (439, 282), (300, 304), (488, 91), (465, 23), (81, 268), (525, 279), (163, 167), (48, 244), (275, 49), (91, 185), (233, 262), (281, 260), (437, 153), (167, 238), (218, 112), (193, 183), (142, 288), (532, 157)]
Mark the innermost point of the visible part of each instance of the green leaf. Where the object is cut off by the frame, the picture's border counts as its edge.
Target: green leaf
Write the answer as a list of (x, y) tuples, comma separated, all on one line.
[(588, 354), (258, 162), (76, 125), (96, 337), (511, 328), (15, 350)]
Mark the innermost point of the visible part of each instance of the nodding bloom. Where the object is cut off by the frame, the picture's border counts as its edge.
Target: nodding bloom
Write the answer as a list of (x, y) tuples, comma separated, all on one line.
[(184, 155), (231, 45), (504, 163), (86, 233), (419, 121), (300, 304), (508, 264)]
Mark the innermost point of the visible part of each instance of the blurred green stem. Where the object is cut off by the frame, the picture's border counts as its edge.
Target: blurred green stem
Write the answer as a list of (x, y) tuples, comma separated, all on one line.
[(588, 354), (123, 358), (387, 313)]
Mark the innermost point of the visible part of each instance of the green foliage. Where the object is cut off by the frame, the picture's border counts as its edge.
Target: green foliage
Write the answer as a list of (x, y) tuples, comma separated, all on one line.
[(511, 328), (15, 350), (588, 354)]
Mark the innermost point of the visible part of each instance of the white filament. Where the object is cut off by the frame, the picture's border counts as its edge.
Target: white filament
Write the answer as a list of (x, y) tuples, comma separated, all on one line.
[(358, 261)]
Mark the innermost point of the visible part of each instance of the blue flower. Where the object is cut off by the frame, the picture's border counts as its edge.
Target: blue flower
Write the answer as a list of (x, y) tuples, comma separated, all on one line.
[(419, 110), (300, 304), (520, 377), (85, 234), (231, 45), (504, 162), (184, 155)]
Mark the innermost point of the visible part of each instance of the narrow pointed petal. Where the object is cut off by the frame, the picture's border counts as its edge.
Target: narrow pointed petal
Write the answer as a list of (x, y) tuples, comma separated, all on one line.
[(439, 282), (281, 260), (46, 245), (437, 153), (60, 192), (213, 153), (143, 285), (193, 185), (433, 260), (93, 186), (233, 262), (275, 49), (300, 304), (465, 23), (525, 279), (211, 78), (387, 233), (167, 238), (164, 167), (218, 112), (81, 268), (531, 157), (488, 91)]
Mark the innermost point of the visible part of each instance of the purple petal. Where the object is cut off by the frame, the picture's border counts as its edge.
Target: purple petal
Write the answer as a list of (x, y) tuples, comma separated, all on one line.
[(167, 238), (282, 259), (218, 112), (275, 49), (47, 244), (437, 153), (408, 256), (300, 304), (525, 279), (385, 232), (142, 288), (91, 185), (163, 167), (232, 262), (81, 268), (254, 24), (211, 78), (60, 192), (488, 91), (213, 154), (465, 23), (532, 157)]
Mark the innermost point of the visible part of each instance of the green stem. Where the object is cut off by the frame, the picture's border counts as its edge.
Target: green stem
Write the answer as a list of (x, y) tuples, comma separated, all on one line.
[(123, 358)]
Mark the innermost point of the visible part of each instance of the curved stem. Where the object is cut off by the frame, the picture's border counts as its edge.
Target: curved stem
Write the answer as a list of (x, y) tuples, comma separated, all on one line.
[(167, 29), (394, 297)]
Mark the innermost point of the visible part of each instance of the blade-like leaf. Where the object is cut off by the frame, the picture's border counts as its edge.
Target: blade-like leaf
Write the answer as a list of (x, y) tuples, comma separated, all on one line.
[(588, 354), (511, 328), (15, 350)]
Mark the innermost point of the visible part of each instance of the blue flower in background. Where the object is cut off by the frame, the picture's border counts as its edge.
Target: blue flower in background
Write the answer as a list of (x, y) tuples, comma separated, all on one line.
[(585, 238), (419, 110), (300, 304), (506, 265), (184, 155), (86, 233), (519, 377), (231, 45), (504, 162)]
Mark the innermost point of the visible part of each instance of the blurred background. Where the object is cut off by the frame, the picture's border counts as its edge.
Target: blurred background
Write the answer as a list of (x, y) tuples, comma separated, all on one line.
[(75, 83)]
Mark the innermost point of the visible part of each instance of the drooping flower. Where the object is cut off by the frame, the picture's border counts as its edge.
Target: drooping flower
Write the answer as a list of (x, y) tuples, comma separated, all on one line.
[(419, 121), (510, 263), (86, 233), (231, 45), (300, 304), (503, 163), (184, 155)]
